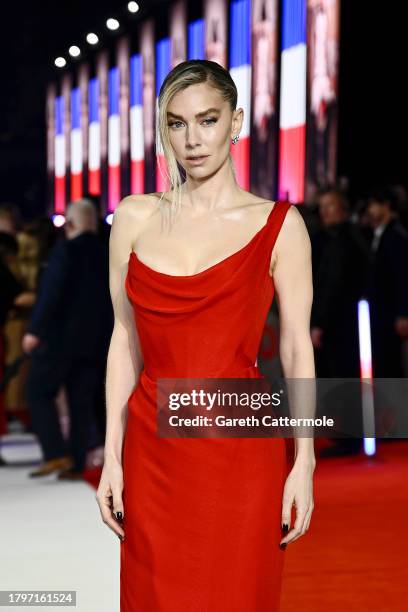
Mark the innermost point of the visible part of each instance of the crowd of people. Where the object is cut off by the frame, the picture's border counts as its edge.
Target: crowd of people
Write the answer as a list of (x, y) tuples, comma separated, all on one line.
[(68, 322), (358, 254), (56, 315)]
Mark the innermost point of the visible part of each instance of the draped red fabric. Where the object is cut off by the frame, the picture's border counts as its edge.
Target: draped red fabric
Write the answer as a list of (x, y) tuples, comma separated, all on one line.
[(202, 517)]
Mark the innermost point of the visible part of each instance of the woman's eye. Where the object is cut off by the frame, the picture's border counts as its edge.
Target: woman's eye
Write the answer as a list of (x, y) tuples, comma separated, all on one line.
[(210, 119)]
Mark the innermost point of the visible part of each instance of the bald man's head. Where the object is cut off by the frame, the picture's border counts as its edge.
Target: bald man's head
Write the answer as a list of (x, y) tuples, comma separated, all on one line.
[(81, 216)]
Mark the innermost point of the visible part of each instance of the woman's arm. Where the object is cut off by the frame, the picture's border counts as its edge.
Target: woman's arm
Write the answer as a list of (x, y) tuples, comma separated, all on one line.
[(294, 288), (124, 361), (293, 284)]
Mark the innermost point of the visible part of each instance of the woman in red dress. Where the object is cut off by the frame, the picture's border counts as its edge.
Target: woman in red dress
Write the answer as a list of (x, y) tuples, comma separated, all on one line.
[(202, 520)]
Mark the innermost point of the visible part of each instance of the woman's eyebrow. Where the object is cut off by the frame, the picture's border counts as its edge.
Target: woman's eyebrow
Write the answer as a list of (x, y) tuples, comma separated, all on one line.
[(209, 110)]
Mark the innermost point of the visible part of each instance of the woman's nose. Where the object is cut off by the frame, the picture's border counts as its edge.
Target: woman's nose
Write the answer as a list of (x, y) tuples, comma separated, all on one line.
[(192, 139)]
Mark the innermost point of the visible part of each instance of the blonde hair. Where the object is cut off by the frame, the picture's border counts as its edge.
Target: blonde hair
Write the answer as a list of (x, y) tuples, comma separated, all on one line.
[(191, 72)]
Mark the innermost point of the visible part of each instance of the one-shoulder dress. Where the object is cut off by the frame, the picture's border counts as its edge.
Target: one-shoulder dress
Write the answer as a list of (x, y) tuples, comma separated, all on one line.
[(202, 516)]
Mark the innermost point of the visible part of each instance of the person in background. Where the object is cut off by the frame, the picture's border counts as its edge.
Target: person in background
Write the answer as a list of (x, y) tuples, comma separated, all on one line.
[(12, 232), (340, 261), (103, 227), (100, 411), (11, 288), (10, 219), (43, 231), (68, 337), (25, 270), (98, 432), (388, 287), (19, 293), (9, 284)]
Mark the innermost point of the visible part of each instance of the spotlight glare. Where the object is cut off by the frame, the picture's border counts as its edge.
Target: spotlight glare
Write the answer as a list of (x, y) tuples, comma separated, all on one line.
[(112, 24), (74, 51), (133, 7), (58, 220), (109, 219), (92, 38), (60, 62)]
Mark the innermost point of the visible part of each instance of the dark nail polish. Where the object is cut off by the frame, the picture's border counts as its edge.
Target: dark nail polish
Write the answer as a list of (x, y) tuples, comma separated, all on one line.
[(119, 516), (285, 528), (121, 538), (283, 546)]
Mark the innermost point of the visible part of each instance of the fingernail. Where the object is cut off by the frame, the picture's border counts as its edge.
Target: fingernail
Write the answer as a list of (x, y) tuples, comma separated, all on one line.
[(121, 538), (285, 528), (119, 516), (282, 546)]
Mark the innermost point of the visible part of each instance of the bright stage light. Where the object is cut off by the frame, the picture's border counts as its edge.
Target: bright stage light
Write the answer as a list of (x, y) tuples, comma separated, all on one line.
[(74, 51), (366, 374), (60, 62), (133, 7), (109, 219), (58, 220), (92, 38), (112, 24)]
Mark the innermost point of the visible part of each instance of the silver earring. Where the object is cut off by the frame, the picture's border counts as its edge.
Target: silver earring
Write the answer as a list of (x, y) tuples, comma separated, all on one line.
[(235, 140)]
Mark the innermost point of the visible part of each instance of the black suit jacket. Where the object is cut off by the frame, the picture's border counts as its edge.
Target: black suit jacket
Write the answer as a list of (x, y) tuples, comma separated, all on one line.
[(340, 264), (388, 281), (73, 312), (340, 258)]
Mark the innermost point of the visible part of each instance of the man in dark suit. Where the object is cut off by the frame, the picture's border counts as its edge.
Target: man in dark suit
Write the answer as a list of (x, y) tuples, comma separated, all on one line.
[(68, 337), (339, 262), (388, 287)]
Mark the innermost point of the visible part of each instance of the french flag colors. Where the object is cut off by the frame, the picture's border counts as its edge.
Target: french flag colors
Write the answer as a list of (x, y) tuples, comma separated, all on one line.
[(292, 120), (240, 69), (59, 155), (76, 145), (136, 126), (114, 191), (94, 153), (163, 54)]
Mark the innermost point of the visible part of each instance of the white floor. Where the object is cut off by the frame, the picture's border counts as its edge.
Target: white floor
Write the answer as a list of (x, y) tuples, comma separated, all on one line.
[(52, 537)]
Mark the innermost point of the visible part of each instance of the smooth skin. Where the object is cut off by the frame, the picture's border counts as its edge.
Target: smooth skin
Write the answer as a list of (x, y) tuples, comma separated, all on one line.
[(221, 218)]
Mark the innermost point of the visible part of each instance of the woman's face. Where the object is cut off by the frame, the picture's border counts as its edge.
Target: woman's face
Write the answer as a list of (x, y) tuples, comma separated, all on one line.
[(201, 123)]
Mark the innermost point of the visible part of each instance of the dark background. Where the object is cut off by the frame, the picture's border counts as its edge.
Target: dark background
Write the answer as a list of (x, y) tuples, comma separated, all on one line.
[(372, 98)]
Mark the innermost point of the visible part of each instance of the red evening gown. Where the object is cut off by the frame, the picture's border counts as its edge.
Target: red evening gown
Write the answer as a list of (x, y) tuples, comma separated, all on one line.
[(202, 517)]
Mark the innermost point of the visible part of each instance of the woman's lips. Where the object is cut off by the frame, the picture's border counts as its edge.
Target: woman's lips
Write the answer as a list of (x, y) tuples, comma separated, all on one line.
[(197, 160)]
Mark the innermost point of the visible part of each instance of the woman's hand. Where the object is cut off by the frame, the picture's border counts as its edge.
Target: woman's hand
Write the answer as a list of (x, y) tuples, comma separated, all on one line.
[(109, 497), (298, 491)]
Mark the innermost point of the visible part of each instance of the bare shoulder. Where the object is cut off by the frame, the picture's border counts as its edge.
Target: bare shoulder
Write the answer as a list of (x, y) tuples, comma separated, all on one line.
[(293, 234), (136, 206), (254, 204), (292, 246), (128, 221)]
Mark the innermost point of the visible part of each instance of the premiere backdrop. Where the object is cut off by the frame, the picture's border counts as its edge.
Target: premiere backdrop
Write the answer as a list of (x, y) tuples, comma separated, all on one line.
[(283, 57)]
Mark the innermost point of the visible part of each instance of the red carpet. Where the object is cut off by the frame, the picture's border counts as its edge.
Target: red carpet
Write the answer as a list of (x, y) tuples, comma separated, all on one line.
[(354, 556)]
